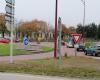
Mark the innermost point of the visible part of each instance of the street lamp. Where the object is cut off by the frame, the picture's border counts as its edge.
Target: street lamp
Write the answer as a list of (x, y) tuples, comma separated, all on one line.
[(83, 1), (55, 35)]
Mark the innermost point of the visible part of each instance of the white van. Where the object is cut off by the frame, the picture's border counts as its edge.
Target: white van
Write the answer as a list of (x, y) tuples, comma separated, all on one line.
[(70, 44)]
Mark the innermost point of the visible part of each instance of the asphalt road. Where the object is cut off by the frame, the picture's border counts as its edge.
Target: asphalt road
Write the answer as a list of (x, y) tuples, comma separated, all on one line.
[(11, 76), (68, 51)]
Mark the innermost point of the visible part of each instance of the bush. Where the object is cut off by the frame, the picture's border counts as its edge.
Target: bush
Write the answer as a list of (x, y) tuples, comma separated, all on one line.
[(87, 44)]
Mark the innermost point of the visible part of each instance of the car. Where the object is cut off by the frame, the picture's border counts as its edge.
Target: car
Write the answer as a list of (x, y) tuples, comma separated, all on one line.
[(70, 45), (70, 42), (17, 40), (80, 47), (63, 43), (93, 50), (4, 40)]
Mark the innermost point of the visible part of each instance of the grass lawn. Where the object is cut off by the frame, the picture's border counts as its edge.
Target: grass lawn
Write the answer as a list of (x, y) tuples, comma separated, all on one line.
[(78, 67), (46, 49), (5, 50)]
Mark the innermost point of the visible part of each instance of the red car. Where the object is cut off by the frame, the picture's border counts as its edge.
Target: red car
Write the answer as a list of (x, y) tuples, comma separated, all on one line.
[(4, 40)]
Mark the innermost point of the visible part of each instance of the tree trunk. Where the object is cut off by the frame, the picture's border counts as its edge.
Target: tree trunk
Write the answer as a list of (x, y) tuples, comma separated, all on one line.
[(3, 34)]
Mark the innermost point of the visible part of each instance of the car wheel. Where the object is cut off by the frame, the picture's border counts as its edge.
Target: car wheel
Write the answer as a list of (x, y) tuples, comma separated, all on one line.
[(94, 54), (77, 49), (85, 52)]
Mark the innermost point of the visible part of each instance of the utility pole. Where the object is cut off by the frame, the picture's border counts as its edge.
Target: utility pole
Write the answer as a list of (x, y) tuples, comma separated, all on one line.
[(56, 27), (83, 1)]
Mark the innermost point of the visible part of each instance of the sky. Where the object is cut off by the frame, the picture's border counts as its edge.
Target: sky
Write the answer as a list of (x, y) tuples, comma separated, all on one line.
[(71, 11)]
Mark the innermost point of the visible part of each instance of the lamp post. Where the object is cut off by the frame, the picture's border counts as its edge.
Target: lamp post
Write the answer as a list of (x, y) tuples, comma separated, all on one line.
[(55, 35), (83, 1)]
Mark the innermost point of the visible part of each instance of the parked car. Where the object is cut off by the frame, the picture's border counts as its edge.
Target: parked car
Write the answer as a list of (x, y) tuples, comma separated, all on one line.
[(70, 44), (4, 40), (80, 47), (93, 50), (17, 40), (63, 43)]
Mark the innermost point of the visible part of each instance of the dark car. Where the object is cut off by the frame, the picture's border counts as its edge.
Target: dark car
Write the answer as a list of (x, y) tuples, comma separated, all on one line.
[(80, 47), (93, 50), (4, 40)]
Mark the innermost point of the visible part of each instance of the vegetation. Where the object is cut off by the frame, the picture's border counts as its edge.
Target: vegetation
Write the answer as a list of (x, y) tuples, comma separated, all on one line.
[(80, 67), (67, 31), (5, 50), (26, 28), (3, 28), (90, 31), (46, 49)]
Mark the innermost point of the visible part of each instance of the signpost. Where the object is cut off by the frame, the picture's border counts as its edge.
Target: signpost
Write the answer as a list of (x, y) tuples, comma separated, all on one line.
[(25, 41), (9, 17), (9, 9), (11, 2), (59, 39), (77, 38)]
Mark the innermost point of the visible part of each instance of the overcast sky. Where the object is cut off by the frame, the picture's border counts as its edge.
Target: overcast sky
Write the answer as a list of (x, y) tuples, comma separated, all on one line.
[(71, 11)]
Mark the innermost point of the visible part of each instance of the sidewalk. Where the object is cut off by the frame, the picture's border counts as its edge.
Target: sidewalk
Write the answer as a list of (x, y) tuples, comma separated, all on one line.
[(11, 76)]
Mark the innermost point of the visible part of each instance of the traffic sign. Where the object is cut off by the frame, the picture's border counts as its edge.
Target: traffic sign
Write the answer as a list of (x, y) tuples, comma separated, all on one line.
[(26, 41), (7, 18), (10, 1), (76, 37), (9, 9)]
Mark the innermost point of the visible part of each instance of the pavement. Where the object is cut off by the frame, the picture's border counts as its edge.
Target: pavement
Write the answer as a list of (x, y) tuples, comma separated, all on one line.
[(11, 76), (68, 51)]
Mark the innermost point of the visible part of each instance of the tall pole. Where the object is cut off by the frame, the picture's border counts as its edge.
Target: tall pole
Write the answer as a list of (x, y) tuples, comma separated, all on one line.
[(11, 43), (12, 28), (59, 38), (83, 1), (55, 34), (9, 17)]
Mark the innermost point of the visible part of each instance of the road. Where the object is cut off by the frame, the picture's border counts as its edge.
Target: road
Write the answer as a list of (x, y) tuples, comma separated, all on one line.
[(11, 76), (68, 51)]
